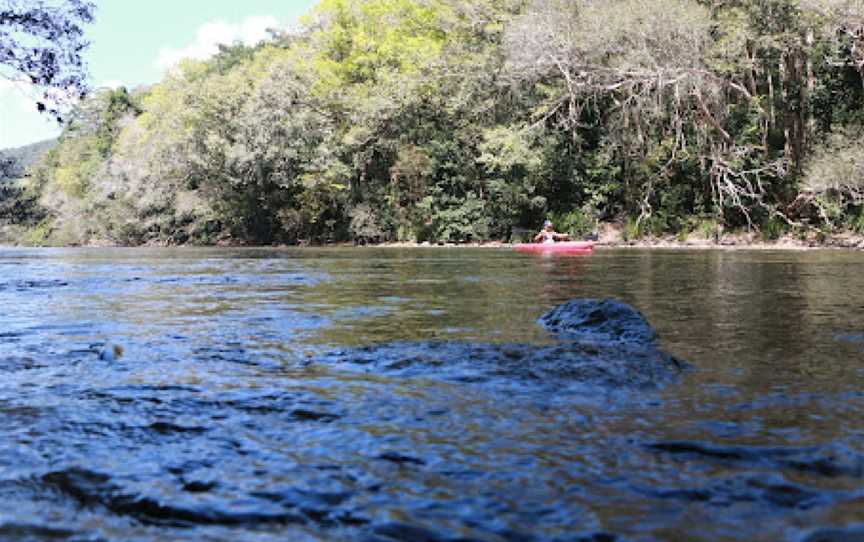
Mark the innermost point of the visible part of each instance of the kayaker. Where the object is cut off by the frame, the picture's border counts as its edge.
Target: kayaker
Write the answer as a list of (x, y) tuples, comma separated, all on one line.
[(549, 235)]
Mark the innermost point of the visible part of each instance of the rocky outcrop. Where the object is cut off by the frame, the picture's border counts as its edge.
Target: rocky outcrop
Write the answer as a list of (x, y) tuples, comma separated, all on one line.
[(599, 320), (614, 347)]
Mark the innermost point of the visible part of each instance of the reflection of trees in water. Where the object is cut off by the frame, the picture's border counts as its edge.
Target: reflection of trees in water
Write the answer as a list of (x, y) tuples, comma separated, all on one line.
[(437, 293), (768, 315), (784, 309), (561, 278)]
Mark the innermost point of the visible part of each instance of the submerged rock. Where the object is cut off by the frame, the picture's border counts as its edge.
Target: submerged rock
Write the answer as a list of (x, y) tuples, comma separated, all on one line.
[(618, 352)]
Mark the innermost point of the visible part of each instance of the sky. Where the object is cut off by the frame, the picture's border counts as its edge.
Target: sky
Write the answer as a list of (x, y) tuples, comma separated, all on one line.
[(133, 43)]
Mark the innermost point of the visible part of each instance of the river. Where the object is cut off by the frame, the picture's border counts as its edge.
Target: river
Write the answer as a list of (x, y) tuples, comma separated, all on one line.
[(217, 421)]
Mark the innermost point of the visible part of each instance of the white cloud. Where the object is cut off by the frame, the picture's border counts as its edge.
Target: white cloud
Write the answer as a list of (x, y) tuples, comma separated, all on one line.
[(210, 35)]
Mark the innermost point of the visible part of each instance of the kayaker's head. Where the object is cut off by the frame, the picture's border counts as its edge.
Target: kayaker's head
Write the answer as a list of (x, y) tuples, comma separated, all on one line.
[(547, 225)]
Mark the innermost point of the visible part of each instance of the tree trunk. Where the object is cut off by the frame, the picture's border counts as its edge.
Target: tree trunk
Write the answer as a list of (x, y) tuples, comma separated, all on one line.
[(783, 77), (811, 87), (795, 67), (751, 72), (772, 115)]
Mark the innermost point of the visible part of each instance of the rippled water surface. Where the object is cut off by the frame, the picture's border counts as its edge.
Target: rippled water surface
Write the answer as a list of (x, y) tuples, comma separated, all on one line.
[(221, 420)]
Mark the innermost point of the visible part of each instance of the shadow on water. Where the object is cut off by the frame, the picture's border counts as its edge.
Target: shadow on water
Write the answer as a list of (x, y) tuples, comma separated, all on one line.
[(410, 395)]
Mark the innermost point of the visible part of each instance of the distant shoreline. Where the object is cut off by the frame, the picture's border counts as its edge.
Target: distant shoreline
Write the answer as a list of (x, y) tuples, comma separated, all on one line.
[(664, 244), (612, 236), (609, 236), (660, 244)]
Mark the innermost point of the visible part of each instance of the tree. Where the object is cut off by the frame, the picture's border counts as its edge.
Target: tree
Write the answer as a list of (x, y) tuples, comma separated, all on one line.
[(41, 43), (631, 74), (455, 120)]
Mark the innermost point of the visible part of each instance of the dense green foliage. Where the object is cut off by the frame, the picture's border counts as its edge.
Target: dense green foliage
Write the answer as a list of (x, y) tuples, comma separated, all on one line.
[(456, 120)]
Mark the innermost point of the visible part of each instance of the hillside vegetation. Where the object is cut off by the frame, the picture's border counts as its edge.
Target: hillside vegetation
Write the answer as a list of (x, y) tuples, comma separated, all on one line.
[(457, 120), (15, 162), (17, 205)]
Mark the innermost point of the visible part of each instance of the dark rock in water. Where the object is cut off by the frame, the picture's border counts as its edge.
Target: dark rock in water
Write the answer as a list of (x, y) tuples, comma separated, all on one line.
[(600, 320), (621, 354), (614, 366)]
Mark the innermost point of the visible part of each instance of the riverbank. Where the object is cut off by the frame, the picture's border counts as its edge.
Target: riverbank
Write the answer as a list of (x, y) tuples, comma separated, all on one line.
[(608, 235), (614, 236)]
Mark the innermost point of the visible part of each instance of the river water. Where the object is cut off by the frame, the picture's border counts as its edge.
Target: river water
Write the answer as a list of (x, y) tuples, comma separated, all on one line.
[(218, 422)]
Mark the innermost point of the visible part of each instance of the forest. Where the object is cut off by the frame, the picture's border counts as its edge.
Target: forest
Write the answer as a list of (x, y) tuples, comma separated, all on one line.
[(455, 121)]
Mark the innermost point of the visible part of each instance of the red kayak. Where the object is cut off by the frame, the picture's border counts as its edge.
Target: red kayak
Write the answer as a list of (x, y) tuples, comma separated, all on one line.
[(561, 246)]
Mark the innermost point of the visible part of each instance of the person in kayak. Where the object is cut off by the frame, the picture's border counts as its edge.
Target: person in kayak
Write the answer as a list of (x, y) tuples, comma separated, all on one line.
[(549, 235)]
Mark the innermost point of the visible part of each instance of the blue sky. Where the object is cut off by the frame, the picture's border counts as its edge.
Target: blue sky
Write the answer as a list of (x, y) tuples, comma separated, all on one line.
[(133, 42)]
